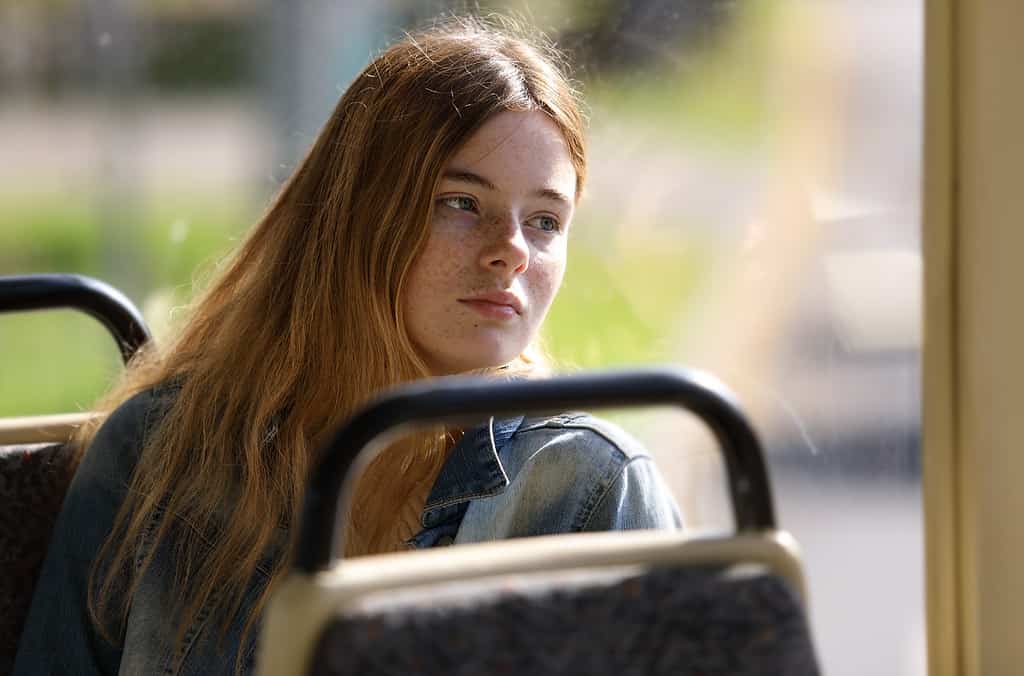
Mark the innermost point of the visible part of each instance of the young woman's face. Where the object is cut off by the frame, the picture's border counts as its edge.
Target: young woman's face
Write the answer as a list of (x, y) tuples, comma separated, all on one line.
[(478, 292)]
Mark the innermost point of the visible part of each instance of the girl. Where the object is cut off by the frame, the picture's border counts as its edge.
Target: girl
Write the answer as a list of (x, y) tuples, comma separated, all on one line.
[(424, 234)]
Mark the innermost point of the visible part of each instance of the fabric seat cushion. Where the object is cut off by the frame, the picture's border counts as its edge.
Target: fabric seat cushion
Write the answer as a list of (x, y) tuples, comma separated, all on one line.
[(670, 621), (33, 481)]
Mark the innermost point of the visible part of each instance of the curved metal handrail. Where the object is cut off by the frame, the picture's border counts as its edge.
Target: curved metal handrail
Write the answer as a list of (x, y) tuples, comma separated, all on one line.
[(100, 300), (465, 400)]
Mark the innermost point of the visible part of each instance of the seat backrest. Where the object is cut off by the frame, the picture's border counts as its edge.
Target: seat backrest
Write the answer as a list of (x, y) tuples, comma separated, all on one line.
[(315, 618), (34, 477), (706, 620), (33, 481), (644, 602)]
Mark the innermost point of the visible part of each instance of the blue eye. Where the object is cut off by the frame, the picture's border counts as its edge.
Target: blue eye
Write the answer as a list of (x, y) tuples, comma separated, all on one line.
[(545, 223), (459, 202)]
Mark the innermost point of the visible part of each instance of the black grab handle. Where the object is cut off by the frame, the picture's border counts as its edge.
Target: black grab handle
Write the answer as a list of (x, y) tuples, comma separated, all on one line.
[(466, 399), (91, 296)]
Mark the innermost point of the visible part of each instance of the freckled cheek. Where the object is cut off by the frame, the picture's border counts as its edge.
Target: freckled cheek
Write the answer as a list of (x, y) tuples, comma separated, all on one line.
[(438, 277), (450, 249), (548, 269)]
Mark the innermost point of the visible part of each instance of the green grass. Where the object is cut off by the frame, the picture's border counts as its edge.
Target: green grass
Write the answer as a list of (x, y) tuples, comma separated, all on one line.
[(618, 307), (53, 362), (49, 235), (60, 361)]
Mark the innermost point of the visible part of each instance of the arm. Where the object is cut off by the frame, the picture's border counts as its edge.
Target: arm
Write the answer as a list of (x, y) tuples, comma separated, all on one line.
[(569, 474), (612, 476), (638, 498), (59, 637)]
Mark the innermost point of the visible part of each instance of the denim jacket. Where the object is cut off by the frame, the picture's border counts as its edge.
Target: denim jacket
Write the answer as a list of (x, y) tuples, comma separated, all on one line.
[(505, 479)]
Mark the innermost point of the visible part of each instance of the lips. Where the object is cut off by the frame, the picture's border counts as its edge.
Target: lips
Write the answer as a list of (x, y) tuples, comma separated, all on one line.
[(500, 301)]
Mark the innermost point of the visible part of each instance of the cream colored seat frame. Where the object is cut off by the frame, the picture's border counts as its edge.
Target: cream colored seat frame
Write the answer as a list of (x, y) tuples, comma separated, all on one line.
[(41, 428), (303, 605)]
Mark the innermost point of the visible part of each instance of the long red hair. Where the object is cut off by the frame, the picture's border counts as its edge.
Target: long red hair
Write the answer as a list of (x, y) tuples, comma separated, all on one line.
[(304, 322)]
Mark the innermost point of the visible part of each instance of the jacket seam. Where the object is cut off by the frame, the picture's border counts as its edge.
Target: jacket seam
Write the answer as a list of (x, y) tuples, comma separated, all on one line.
[(193, 633), (553, 422), (146, 540), (590, 508), (577, 426)]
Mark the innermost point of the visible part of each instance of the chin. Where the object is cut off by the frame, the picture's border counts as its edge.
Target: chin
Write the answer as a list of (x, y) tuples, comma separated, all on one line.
[(465, 363)]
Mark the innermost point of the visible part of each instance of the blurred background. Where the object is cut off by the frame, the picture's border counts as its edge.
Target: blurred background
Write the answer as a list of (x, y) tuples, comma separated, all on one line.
[(753, 210)]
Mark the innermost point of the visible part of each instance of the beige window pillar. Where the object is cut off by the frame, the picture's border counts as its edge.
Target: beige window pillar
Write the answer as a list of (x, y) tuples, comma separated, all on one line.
[(974, 335)]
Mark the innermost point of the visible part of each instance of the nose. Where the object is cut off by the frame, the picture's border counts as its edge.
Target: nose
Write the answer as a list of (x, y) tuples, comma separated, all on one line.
[(506, 250)]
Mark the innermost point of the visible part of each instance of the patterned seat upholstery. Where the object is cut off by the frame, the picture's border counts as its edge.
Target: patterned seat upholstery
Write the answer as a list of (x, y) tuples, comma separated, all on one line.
[(670, 621), (33, 481)]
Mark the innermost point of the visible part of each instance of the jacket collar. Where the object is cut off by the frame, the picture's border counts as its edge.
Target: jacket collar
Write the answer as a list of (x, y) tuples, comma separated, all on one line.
[(473, 468)]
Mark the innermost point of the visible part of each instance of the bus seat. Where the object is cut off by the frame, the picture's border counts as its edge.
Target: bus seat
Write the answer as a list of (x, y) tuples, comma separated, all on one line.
[(634, 602), (33, 481), (665, 622), (607, 603), (36, 463)]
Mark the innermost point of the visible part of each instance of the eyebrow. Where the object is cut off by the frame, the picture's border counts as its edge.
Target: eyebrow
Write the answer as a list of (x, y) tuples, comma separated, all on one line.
[(476, 179)]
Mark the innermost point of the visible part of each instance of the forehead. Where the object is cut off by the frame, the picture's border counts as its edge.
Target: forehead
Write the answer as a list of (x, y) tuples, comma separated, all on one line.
[(519, 150)]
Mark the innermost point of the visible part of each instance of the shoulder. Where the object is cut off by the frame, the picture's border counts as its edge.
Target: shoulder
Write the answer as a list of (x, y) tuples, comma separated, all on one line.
[(114, 450), (581, 431), (593, 468), (136, 415), (611, 473), (591, 446), (570, 473)]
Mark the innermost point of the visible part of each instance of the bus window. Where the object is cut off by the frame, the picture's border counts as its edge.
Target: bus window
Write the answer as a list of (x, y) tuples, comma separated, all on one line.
[(751, 210)]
